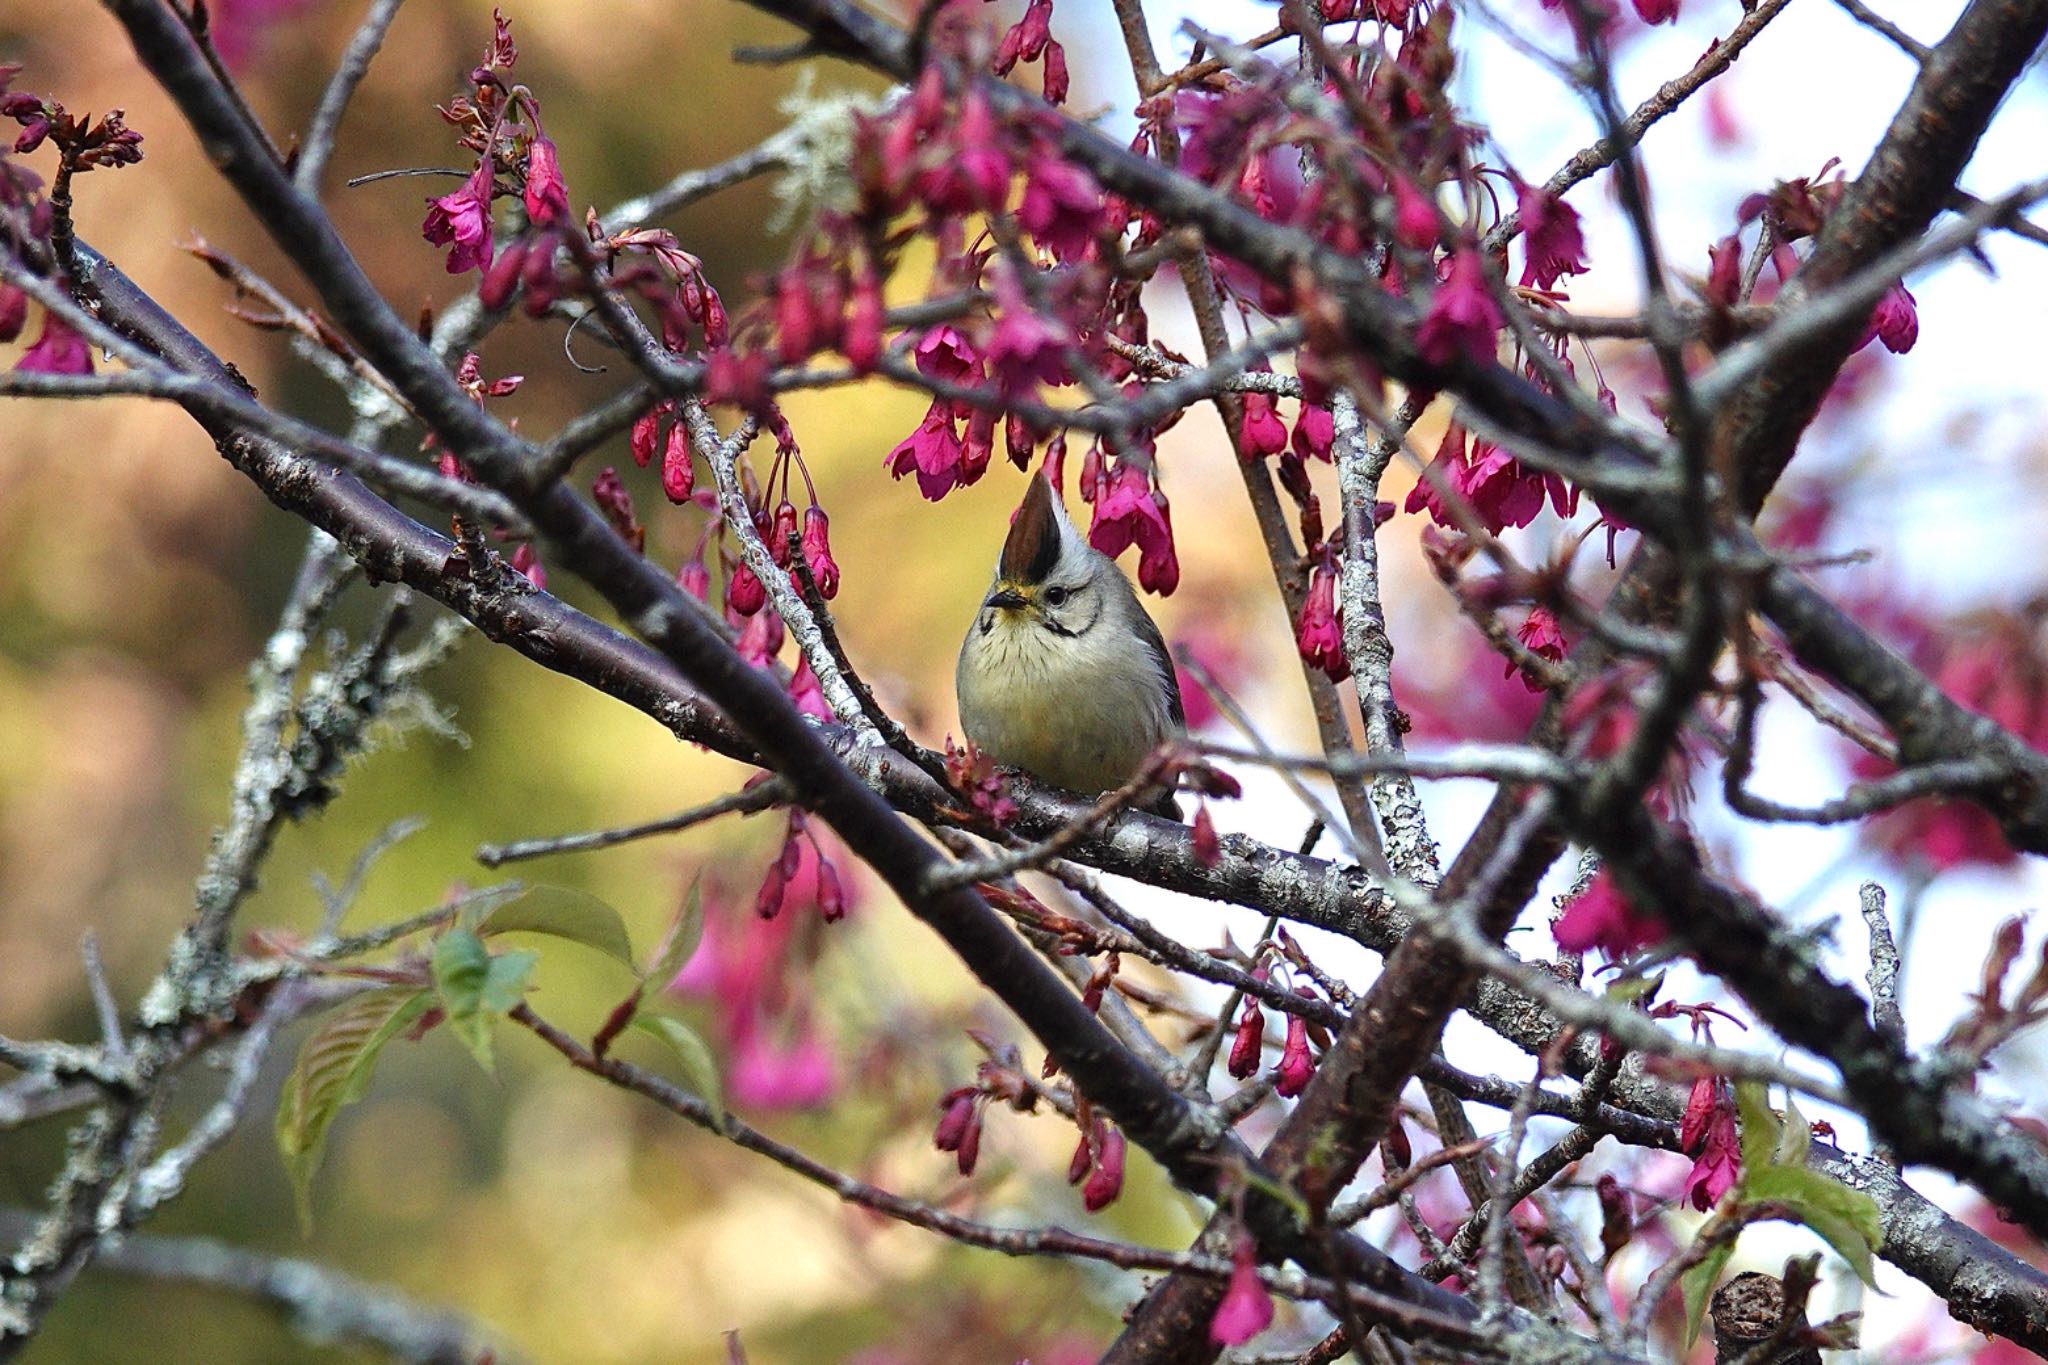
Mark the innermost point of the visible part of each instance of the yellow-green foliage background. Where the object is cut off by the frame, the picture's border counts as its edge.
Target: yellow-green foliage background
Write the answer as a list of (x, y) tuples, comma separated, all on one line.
[(138, 573)]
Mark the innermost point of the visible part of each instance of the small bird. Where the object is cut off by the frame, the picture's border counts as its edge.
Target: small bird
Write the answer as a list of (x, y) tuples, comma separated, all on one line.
[(1062, 673)]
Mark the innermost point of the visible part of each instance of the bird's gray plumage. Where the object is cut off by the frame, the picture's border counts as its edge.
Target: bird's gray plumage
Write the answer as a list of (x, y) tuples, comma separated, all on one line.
[(1063, 674)]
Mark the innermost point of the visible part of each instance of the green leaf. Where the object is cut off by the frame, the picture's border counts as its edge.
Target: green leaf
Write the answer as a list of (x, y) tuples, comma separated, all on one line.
[(1760, 1126), (1797, 1139), (1697, 1284), (683, 937), (700, 1068), (562, 912), (475, 987), (333, 1070), (1846, 1219)]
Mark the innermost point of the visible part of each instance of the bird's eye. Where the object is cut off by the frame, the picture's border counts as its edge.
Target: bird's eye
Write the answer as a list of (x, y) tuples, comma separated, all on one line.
[(1055, 597)]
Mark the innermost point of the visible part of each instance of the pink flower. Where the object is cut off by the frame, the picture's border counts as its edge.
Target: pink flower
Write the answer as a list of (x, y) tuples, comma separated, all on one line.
[(1262, 432), (1319, 634), (1026, 39), (983, 166), (1291, 1075), (526, 562), (547, 198), (933, 452), (809, 699), (58, 349), (1054, 86), (1656, 11), (1551, 241), (463, 218), (1026, 349), (1895, 322), (1708, 1135), (862, 342), (1062, 207), (797, 1072), (744, 593), (1128, 510), (945, 354), (1246, 1309), (1603, 918), (1544, 638), (1314, 432), (1462, 317)]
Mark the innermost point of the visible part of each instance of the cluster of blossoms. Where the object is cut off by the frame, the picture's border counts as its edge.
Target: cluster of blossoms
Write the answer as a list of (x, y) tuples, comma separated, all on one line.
[(28, 216), (752, 969), (1247, 1045)]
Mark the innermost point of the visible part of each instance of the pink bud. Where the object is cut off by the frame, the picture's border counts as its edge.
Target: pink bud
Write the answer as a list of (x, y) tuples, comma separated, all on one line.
[(1291, 1076), (1318, 633), (782, 533), (547, 198), (1262, 432), (1246, 1309), (862, 345), (13, 311), (768, 900), (1108, 1180), (1056, 81), (743, 591), (678, 470), (1245, 1048), (831, 898), (1415, 223), (1208, 848), (495, 291), (817, 550), (694, 579), (528, 563)]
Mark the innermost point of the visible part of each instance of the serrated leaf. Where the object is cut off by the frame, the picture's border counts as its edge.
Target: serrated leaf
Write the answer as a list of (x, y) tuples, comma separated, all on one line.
[(332, 1071), (1697, 1284), (683, 937), (700, 1068), (1759, 1125), (1846, 1219), (476, 987), (562, 912)]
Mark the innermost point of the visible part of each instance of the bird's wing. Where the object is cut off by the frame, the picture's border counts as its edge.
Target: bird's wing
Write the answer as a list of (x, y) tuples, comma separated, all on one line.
[(1148, 632)]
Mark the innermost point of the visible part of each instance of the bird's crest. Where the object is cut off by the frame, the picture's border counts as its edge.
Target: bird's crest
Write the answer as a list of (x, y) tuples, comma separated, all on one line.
[(1033, 547)]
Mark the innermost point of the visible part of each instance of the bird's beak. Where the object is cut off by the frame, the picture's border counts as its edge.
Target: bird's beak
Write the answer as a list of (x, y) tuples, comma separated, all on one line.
[(1009, 599)]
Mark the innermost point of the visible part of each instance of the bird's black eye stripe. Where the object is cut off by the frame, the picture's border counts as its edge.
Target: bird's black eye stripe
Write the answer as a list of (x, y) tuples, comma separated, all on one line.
[(1055, 597)]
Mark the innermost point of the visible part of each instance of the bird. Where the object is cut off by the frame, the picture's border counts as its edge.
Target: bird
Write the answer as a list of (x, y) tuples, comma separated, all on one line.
[(1063, 674)]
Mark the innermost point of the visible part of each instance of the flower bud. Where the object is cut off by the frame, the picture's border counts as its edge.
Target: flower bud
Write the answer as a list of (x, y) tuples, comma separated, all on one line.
[(743, 591), (678, 469), (1291, 1076), (817, 550), (1251, 1036), (1108, 1180)]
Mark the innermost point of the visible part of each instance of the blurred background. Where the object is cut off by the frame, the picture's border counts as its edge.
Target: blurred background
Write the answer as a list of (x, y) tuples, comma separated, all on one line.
[(138, 573)]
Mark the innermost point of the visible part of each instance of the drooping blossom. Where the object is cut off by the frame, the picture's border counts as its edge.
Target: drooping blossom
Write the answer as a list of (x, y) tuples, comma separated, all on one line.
[(1463, 319), (546, 196), (1551, 240), (1544, 638), (1315, 431), (1246, 1048), (745, 594), (959, 1127), (1708, 1135), (945, 354), (1895, 321), (1062, 207), (1106, 1181), (1025, 348), (932, 452), (1128, 511), (1246, 1309), (817, 551), (1601, 917), (1656, 11), (1291, 1075), (1319, 634), (58, 349), (678, 466), (1497, 488), (463, 218), (1261, 432)]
